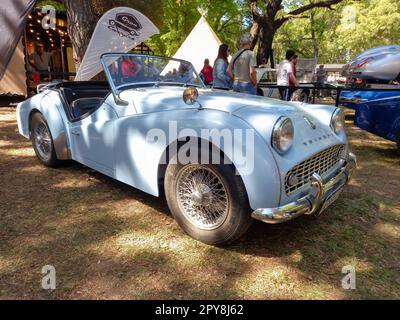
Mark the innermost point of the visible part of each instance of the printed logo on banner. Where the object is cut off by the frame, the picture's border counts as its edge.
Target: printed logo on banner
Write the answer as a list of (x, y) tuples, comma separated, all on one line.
[(126, 25)]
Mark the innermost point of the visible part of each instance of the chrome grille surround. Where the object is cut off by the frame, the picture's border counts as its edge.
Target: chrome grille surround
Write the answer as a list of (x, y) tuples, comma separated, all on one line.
[(321, 164)]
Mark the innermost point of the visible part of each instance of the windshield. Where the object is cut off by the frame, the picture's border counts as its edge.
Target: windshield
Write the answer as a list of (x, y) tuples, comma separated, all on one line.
[(134, 69)]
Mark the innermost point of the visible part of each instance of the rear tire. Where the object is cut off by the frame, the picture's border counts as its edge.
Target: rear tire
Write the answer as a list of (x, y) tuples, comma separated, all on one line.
[(42, 141), (209, 202)]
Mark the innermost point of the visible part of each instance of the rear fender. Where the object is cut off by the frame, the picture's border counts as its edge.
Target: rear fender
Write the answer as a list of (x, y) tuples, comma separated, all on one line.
[(50, 106)]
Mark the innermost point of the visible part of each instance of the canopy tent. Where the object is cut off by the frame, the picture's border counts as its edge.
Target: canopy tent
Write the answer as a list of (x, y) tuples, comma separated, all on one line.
[(13, 15), (202, 43), (13, 81)]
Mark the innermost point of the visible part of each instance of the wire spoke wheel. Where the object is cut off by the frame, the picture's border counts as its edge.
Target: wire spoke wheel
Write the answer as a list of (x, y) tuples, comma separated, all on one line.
[(202, 197), (42, 140)]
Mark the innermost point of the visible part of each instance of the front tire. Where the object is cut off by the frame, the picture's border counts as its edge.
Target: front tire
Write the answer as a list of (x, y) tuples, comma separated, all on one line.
[(209, 202), (42, 141)]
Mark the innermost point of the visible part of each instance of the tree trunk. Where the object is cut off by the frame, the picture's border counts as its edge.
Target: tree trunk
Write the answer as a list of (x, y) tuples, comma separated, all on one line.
[(314, 39), (266, 24), (266, 38), (82, 20)]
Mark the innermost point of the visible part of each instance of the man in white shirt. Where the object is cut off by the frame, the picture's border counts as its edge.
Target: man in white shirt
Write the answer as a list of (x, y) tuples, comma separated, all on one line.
[(286, 75)]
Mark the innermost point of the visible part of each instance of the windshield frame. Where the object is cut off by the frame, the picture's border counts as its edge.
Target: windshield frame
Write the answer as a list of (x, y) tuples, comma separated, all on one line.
[(118, 89)]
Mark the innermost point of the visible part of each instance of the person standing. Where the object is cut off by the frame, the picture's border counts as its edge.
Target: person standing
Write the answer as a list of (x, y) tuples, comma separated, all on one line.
[(320, 77), (40, 61), (221, 78), (285, 74), (207, 73), (243, 67), (292, 84), (129, 69)]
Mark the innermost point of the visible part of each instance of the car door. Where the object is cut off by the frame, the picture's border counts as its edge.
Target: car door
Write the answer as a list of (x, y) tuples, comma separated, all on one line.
[(93, 139)]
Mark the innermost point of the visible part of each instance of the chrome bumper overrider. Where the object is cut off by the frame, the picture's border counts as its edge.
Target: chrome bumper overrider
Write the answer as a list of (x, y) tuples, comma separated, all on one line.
[(320, 196)]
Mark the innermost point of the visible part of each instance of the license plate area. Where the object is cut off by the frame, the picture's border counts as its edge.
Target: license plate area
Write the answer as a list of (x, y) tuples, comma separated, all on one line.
[(330, 200)]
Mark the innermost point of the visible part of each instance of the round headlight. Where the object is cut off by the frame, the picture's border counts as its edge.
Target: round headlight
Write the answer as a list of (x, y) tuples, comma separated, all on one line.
[(282, 136), (337, 122)]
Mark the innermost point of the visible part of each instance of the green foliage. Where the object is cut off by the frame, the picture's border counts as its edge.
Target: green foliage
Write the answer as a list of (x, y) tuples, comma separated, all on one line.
[(56, 4), (377, 23), (179, 19), (352, 28), (228, 18)]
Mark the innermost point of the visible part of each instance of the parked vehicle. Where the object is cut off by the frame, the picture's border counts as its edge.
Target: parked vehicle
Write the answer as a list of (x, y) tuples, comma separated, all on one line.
[(381, 117), (380, 64), (352, 99), (163, 129)]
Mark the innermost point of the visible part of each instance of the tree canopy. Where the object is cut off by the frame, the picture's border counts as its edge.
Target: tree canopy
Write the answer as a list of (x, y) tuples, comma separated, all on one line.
[(328, 30)]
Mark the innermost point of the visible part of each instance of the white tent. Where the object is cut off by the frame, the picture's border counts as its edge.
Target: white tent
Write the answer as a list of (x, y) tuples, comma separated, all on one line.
[(202, 43)]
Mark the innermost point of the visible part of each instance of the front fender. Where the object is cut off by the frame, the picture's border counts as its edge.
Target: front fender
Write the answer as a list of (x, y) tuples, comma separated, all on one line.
[(143, 141)]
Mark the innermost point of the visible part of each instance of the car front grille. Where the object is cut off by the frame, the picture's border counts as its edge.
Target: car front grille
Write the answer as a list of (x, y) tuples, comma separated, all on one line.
[(321, 163)]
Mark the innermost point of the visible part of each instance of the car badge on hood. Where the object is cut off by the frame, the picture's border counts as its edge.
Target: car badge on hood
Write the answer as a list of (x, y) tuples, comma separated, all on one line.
[(311, 123)]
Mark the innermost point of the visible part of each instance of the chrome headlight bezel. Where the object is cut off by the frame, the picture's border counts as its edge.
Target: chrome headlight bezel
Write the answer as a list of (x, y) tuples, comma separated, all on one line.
[(283, 135), (338, 121)]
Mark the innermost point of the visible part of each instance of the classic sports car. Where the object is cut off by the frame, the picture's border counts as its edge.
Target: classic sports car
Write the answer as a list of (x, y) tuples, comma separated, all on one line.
[(352, 99), (380, 117), (380, 64), (377, 111), (222, 158)]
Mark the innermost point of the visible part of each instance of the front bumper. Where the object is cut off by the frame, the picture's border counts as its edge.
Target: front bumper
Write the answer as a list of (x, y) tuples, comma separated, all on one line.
[(321, 195)]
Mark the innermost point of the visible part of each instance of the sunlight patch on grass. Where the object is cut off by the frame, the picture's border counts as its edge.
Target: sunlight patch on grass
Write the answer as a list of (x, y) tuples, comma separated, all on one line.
[(26, 152), (139, 240), (34, 169), (281, 282), (388, 230), (8, 115), (359, 264), (74, 183)]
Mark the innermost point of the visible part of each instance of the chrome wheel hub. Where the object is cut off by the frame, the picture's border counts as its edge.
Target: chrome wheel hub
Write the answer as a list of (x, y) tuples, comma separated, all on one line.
[(202, 197)]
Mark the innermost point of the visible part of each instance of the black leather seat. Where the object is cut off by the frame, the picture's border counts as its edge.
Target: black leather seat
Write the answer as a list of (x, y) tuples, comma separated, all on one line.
[(82, 106)]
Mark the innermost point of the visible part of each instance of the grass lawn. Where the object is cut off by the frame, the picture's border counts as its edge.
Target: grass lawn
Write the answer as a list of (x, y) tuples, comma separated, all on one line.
[(110, 241)]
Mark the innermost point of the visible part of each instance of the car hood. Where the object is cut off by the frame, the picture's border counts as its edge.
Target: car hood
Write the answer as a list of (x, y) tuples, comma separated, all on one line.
[(311, 122), (149, 100)]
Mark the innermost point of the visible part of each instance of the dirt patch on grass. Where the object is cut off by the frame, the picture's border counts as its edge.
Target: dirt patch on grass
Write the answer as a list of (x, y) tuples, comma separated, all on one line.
[(107, 240)]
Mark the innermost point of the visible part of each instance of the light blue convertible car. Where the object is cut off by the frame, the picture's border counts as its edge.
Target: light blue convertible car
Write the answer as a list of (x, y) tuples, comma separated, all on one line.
[(223, 158)]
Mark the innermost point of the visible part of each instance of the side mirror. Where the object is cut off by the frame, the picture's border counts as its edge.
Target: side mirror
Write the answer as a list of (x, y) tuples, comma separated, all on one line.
[(190, 96), (119, 101)]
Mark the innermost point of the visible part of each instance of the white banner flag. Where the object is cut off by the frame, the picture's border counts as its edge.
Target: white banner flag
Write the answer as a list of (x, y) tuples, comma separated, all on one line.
[(119, 30)]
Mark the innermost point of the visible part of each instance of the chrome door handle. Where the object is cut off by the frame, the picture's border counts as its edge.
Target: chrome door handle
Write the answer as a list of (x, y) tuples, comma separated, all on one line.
[(75, 133)]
